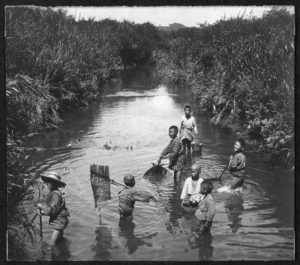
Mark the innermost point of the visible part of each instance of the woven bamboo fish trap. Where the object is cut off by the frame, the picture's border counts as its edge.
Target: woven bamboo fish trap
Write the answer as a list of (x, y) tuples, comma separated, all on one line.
[(100, 181)]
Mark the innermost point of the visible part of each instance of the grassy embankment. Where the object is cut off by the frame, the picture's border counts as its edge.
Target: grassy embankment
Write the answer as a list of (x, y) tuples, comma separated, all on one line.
[(242, 75), (54, 64)]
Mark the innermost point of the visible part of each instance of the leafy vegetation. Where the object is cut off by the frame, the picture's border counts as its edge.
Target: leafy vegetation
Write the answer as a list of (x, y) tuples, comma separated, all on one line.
[(241, 72), (53, 64)]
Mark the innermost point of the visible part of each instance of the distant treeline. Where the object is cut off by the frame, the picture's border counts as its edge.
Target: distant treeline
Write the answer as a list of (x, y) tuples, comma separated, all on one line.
[(242, 74)]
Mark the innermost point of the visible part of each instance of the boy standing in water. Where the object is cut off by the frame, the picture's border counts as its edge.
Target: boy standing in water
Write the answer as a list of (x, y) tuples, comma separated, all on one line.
[(206, 209), (191, 187), (188, 129), (237, 164), (128, 196), (174, 151), (55, 206)]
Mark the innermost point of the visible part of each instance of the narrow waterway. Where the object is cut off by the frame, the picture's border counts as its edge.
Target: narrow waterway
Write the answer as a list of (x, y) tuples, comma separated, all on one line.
[(134, 115)]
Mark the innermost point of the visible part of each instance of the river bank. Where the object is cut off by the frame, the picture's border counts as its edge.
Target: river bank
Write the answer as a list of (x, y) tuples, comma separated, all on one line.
[(242, 76)]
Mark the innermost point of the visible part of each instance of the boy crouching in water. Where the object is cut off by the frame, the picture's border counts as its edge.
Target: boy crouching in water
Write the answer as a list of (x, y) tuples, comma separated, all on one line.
[(129, 195), (206, 209), (237, 164), (191, 189)]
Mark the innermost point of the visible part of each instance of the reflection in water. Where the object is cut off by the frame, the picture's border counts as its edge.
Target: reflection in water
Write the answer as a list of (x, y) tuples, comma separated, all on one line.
[(126, 230), (103, 242), (173, 207), (234, 208), (61, 251), (202, 241), (174, 202)]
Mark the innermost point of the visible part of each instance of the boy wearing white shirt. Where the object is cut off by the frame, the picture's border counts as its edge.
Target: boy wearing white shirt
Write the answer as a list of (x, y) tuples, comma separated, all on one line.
[(191, 189)]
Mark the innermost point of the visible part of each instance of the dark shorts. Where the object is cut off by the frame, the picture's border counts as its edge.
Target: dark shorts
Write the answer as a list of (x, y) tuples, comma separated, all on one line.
[(186, 142), (179, 163)]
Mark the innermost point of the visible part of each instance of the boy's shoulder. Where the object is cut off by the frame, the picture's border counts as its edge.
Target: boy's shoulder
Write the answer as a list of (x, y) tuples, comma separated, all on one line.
[(128, 191), (55, 193), (210, 197), (239, 154), (188, 179)]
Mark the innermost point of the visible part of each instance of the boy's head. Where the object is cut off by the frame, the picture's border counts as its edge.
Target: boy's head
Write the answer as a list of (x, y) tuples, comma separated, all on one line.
[(206, 187), (129, 180), (173, 131), (239, 145), (196, 170), (187, 110), (52, 180)]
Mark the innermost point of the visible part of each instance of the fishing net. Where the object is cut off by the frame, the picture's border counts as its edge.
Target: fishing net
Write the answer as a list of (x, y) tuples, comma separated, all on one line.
[(100, 182), (156, 170)]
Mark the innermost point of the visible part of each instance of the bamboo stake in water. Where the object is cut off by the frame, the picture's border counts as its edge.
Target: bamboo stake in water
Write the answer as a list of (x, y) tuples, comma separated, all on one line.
[(223, 172), (41, 224)]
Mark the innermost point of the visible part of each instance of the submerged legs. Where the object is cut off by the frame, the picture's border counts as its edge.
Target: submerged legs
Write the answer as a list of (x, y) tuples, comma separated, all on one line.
[(56, 236), (177, 175)]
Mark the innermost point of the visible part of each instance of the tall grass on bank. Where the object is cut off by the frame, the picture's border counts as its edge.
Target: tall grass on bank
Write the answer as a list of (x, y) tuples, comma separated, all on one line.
[(242, 72), (54, 63)]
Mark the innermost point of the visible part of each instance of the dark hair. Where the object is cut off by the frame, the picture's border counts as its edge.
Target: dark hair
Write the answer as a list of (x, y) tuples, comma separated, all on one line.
[(129, 180), (207, 186), (187, 107), (242, 142), (175, 128)]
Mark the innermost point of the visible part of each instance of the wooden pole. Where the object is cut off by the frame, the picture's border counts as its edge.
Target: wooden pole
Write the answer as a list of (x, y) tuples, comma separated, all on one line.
[(41, 224), (100, 181), (223, 172)]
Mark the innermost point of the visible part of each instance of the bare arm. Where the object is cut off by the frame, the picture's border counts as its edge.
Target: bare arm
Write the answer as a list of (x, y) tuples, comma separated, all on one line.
[(53, 207), (184, 191), (142, 196)]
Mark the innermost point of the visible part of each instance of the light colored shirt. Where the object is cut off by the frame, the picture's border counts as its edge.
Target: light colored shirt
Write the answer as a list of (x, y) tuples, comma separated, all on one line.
[(188, 188), (237, 165), (188, 128)]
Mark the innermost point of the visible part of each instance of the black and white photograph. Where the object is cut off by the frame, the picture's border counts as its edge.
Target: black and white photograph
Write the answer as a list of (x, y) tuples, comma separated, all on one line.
[(150, 133)]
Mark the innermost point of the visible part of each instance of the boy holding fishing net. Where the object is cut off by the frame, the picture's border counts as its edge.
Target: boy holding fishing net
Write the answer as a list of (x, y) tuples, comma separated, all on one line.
[(174, 151), (129, 195), (55, 206), (237, 164)]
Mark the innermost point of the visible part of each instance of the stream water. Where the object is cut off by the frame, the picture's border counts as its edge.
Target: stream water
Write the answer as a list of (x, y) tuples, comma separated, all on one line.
[(134, 115)]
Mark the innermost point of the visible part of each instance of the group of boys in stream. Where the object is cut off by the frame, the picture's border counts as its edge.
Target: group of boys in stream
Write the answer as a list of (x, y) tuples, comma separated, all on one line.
[(196, 192)]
